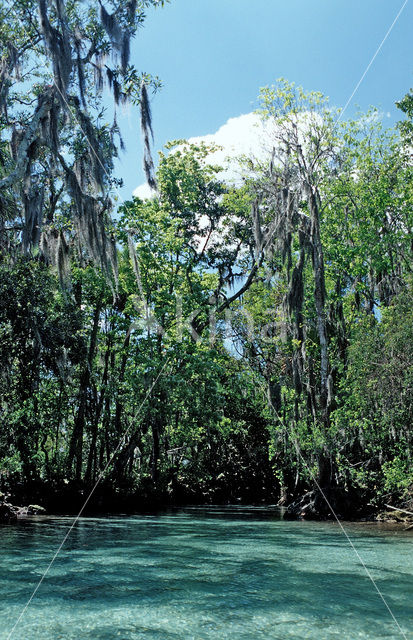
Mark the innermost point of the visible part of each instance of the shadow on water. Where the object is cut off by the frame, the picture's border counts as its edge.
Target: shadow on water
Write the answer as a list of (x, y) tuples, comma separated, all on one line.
[(204, 573)]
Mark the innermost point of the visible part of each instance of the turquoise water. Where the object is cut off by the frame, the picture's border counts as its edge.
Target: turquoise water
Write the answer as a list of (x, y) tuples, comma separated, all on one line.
[(197, 574)]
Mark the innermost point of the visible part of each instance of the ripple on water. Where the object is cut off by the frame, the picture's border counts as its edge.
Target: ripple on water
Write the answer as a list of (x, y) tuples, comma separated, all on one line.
[(196, 573)]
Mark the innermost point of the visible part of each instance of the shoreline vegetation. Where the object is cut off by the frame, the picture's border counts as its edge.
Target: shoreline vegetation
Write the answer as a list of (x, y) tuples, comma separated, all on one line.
[(10, 513), (218, 341), (175, 391)]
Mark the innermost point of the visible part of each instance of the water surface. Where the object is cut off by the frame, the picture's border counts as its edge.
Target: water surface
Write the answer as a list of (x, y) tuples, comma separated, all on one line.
[(195, 574)]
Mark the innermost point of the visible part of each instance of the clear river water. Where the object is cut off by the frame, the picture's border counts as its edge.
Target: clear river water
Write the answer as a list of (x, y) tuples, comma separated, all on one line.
[(202, 573)]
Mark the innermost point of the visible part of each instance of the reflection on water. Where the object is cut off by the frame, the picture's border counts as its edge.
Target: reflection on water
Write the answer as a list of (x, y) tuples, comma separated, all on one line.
[(203, 573)]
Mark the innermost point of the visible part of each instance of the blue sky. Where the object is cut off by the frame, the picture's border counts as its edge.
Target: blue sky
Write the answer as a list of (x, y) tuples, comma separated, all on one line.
[(213, 56)]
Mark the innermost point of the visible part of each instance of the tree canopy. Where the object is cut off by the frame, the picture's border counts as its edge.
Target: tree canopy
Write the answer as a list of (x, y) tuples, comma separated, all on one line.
[(56, 175), (213, 342)]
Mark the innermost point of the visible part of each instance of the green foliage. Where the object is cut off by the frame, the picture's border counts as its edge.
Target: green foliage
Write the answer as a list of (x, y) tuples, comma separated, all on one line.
[(226, 367), (398, 477), (58, 140)]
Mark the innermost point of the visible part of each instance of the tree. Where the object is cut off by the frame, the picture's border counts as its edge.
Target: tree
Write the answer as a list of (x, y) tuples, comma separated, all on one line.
[(57, 148), (377, 405), (334, 199), (289, 207), (41, 343)]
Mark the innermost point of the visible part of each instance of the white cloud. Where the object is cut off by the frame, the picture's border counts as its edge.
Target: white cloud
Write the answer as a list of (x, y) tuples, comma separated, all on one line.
[(144, 192), (245, 135), (251, 136)]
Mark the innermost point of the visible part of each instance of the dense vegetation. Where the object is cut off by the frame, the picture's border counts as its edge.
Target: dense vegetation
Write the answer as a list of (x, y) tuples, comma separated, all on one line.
[(216, 342)]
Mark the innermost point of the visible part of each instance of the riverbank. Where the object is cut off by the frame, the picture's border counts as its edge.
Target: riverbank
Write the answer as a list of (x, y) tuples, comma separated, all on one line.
[(392, 518)]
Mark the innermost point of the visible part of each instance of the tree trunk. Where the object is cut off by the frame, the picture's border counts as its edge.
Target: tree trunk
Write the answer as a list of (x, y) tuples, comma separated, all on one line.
[(76, 442)]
